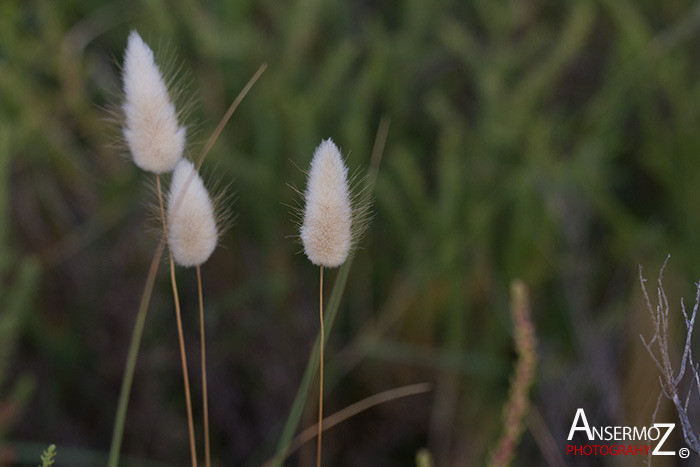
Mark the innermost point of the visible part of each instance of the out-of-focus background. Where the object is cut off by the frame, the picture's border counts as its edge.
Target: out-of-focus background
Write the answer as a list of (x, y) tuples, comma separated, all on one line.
[(555, 142)]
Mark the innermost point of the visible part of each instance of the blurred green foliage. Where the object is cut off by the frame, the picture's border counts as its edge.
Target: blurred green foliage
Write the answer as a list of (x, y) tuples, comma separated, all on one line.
[(17, 285), (554, 142), (48, 457)]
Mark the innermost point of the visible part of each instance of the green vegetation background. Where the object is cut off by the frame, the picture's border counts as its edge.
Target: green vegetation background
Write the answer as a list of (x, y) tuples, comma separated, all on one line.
[(555, 142)]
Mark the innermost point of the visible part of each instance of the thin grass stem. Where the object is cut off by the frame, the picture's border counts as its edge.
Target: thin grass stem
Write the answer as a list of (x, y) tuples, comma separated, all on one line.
[(312, 365), (320, 371), (205, 405), (183, 358), (181, 339)]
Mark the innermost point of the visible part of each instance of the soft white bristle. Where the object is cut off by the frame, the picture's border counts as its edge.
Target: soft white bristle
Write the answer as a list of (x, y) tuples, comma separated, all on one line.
[(325, 231), (155, 139), (192, 234)]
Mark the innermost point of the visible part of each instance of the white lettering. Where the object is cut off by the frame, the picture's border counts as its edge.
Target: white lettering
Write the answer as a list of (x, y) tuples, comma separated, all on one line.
[(657, 431), (657, 451), (598, 432), (641, 434), (584, 427)]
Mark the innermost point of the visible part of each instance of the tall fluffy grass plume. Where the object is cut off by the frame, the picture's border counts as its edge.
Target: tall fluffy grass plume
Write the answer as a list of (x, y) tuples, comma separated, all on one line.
[(192, 231), (152, 132), (326, 227)]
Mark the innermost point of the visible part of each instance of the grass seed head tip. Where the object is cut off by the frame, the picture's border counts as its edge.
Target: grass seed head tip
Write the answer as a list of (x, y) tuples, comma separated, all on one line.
[(326, 226), (192, 234), (151, 130)]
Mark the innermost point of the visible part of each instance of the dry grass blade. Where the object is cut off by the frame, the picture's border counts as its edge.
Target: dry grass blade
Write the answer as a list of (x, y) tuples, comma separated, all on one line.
[(234, 105), (125, 391), (329, 422), (545, 440), (378, 149)]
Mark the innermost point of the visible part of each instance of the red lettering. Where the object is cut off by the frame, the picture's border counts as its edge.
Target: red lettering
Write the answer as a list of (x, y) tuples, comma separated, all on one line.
[(605, 450), (576, 449)]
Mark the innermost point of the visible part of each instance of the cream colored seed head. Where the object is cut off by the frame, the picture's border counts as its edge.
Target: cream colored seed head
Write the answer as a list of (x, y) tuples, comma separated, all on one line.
[(325, 231), (153, 135), (192, 234)]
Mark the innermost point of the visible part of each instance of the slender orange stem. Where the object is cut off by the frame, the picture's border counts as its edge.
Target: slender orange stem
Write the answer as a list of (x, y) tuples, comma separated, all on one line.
[(320, 381), (183, 355), (183, 358), (205, 405)]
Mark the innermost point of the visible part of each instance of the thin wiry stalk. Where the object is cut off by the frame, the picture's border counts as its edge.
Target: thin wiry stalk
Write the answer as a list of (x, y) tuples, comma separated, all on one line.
[(183, 358), (320, 378), (205, 405), (312, 365), (181, 339)]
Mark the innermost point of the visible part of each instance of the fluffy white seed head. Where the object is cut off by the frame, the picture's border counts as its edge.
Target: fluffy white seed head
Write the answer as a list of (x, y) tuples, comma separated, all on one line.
[(152, 133), (192, 234), (325, 231)]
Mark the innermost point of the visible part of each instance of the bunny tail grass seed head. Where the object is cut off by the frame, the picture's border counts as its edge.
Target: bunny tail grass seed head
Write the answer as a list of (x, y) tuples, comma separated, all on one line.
[(152, 132), (192, 234), (326, 227)]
